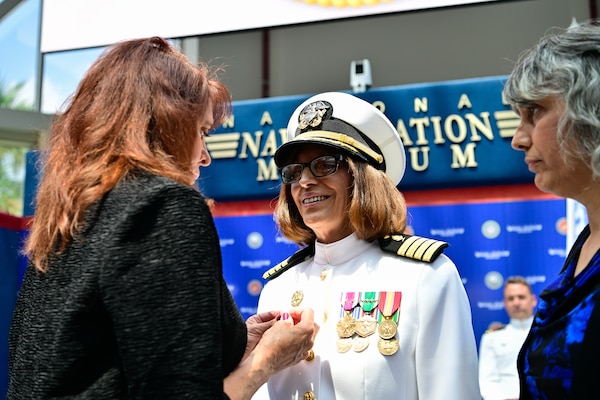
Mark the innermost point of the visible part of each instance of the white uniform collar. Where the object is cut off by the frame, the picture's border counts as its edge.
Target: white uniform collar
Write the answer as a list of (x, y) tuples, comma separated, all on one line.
[(339, 252), (521, 323)]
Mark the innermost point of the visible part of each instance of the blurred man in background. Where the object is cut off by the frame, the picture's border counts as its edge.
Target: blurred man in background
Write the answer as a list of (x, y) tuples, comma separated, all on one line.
[(499, 348)]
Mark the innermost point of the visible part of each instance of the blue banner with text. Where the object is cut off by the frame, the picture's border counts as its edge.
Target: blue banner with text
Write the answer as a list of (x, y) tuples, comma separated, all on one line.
[(455, 134)]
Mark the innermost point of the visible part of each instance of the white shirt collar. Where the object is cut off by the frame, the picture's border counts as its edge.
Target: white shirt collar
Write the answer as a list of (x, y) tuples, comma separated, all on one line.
[(339, 252), (521, 323)]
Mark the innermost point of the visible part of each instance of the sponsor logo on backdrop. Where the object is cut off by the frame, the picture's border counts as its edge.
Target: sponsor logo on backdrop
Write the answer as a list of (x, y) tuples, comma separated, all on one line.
[(490, 229), (254, 240), (248, 310), (491, 305), (254, 287), (447, 232), (224, 242), (493, 280), (562, 226), (524, 229), (562, 253), (253, 264), (533, 279), (281, 239), (492, 255)]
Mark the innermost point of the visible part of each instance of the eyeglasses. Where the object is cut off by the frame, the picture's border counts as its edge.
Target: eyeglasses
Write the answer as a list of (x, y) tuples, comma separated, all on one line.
[(319, 167)]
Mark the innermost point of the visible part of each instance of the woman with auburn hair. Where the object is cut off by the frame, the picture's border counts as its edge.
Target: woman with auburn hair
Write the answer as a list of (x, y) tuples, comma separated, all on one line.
[(394, 317), (124, 297)]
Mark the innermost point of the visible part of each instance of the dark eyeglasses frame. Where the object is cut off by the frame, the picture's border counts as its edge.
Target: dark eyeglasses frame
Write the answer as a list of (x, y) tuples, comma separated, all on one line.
[(336, 157)]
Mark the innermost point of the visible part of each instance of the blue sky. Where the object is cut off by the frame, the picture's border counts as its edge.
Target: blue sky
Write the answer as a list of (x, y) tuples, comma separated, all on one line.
[(19, 32), (18, 46)]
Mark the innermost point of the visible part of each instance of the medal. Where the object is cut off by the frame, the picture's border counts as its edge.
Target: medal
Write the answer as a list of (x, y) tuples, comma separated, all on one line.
[(297, 298), (389, 304), (360, 344), (387, 347), (343, 344), (346, 325), (387, 328), (366, 325)]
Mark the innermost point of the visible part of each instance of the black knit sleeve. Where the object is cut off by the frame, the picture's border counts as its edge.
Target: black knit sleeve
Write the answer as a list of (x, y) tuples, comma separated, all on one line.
[(162, 285)]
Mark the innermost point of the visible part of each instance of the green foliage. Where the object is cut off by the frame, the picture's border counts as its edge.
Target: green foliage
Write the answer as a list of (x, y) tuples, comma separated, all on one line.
[(9, 97), (12, 177), (12, 157)]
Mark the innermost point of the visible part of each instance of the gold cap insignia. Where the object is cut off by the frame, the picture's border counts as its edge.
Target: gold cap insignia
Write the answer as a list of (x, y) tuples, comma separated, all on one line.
[(312, 115)]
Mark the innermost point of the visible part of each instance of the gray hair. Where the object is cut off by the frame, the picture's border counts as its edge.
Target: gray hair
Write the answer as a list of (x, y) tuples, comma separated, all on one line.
[(566, 65)]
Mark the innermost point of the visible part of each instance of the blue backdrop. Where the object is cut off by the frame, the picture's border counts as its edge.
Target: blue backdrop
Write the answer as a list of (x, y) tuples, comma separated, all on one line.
[(488, 243), (11, 268)]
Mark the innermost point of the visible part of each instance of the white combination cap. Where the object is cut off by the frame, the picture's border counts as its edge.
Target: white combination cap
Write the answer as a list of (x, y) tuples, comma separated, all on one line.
[(345, 122)]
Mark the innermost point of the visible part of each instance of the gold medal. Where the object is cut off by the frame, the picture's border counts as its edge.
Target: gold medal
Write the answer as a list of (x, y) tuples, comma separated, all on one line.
[(345, 327), (387, 328), (389, 309), (387, 347), (366, 325), (360, 344), (297, 298), (343, 344)]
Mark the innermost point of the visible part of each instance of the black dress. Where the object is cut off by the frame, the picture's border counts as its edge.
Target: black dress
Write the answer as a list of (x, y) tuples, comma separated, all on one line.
[(135, 308)]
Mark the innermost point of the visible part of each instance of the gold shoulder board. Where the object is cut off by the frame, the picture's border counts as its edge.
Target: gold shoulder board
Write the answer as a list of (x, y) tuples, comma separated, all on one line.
[(415, 247), (295, 259)]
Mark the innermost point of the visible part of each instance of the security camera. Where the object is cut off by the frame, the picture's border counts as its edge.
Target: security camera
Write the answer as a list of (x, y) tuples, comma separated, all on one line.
[(360, 75)]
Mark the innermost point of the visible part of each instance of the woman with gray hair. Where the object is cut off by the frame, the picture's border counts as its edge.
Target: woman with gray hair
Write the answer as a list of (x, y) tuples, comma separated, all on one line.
[(555, 89)]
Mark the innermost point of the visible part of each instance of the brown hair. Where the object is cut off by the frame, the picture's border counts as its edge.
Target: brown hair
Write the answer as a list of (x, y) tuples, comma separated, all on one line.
[(518, 279), (377, 208), (138, 107)]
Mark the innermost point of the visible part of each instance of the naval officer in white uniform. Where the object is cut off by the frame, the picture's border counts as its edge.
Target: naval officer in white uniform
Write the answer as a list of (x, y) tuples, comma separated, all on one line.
[(395, 320), (499, 349)]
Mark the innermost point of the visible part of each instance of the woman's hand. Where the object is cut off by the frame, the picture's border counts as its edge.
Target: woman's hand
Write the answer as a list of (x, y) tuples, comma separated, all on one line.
[(273, 345), (289, 340), (257, 325)]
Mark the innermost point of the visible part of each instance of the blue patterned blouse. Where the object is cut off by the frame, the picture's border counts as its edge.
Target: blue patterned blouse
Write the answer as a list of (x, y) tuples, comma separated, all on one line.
[(551, 355)]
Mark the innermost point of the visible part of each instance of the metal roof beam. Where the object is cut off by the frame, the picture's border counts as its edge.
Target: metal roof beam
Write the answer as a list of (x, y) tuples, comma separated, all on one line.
[(25, 127)]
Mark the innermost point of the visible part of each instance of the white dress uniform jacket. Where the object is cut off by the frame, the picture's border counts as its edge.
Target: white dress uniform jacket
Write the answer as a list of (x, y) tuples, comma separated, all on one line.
[(437, 355), (498, 352)]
